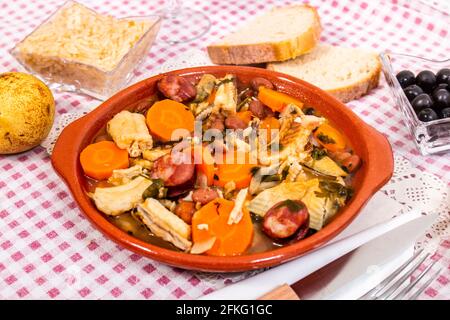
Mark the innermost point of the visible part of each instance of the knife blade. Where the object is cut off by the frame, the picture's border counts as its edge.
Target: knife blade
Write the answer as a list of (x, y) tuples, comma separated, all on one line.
[(355, 273), (262, 283)]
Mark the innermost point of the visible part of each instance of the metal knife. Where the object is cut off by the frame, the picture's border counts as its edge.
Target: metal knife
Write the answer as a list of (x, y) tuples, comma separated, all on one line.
[(334, 281), (355, 273)]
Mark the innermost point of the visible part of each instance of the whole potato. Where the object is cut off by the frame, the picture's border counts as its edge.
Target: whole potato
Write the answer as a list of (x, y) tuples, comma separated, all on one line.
[(27, 111)]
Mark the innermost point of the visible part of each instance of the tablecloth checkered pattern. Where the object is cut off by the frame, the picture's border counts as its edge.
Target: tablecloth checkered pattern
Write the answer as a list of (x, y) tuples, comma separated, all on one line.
[(49, 250)]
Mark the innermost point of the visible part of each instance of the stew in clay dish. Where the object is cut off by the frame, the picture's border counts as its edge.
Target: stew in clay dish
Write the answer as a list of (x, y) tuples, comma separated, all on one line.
[(209, 166)]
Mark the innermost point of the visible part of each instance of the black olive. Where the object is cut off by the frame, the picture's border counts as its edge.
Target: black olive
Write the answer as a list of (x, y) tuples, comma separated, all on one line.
[(426, 80), (445, 86), (427, 114), (445, 113), (405, 78), (441, 98), (421, 102), (443, 76), (412, 91)]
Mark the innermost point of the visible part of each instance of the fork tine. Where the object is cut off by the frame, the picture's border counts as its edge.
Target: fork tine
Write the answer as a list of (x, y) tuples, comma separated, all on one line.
[(425, 285), (408, 288), (394, 286), (372, 293)]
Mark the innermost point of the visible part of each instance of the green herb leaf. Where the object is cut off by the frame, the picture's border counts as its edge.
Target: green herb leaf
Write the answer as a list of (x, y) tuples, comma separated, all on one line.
[(309, 111), (256, 218), (333, 189), (153, 190), (272, 177), (225, 81), (242, 103), (318, 153), (325, 139), (292, 205), (284, 173), (254, 170)]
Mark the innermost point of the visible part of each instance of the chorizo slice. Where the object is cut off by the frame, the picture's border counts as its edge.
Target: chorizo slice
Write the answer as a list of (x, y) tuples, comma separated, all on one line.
[(285, 218), (176, 88), (352, 163), (174, 169), (234, 122), (257, 108), (204, 195), (261, 82)]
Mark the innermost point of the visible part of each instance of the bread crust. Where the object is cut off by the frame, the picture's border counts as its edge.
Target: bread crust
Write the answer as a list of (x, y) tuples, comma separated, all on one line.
[(353, 91), (268, 51)]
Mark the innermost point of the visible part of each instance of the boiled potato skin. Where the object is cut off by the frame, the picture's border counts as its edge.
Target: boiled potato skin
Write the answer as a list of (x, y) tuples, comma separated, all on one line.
[(27, 111)]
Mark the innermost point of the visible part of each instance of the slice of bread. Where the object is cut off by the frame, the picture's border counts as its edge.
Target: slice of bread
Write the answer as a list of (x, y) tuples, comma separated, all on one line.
[(277, 35), (346, 73)]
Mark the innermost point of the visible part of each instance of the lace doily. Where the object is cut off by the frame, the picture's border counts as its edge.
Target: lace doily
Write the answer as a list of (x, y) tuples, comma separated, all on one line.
[(422, 191), (63, 121), (191, 58)]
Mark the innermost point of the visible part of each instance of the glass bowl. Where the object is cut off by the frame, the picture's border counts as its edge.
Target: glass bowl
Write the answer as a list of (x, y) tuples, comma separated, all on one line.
[(430, 137), (63, 74)]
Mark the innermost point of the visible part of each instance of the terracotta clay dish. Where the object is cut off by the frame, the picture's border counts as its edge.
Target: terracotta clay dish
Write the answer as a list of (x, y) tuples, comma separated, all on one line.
[(371, 146)]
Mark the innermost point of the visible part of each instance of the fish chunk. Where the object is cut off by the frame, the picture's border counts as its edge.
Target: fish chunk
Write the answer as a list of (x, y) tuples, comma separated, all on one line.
[(226, 96), (164, 224), (129, 131), (123, 176), (117, 200)]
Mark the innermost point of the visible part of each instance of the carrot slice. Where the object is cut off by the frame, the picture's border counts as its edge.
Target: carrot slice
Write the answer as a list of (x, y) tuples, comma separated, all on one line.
[(245, 116), (276, 100), (98, 160), (212, 221), (330, 138), (237, 170), (166, 116), (204, 163), (270, 124)]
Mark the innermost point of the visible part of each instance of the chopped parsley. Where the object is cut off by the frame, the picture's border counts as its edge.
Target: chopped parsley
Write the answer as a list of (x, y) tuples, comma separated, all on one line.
[(284, 173), (325, 139), (271, 178), (309, 111), (254, 170), (154, 190), (256, 218), (332, 189), (318, 153), (293, 206), (243, 102), (225, 81)]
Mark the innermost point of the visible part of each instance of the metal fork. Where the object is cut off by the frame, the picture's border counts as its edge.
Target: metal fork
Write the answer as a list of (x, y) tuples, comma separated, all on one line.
[(388, 287)]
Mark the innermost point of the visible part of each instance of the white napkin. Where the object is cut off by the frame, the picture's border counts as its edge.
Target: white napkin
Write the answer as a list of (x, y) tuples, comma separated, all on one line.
[(375, 220)]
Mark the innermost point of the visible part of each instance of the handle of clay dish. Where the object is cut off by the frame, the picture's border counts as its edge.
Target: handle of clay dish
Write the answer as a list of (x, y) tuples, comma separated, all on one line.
[(65, 153), (381, 160)]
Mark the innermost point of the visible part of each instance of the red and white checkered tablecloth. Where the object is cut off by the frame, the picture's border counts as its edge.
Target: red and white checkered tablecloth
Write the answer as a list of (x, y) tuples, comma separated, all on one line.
[(49, 250)]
